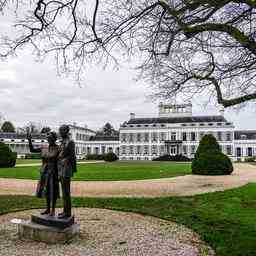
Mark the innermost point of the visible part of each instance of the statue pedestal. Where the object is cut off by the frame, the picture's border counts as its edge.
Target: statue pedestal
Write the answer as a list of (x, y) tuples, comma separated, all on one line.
[(48, 229)]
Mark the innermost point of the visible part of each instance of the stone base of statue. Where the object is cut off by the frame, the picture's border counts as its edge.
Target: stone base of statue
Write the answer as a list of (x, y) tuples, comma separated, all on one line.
[(48, 229)]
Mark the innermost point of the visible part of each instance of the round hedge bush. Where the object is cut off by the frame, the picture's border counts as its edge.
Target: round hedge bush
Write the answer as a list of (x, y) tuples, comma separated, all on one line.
[(209, 160), (110, 157), (208, 144), (7, 157), (212, 164)]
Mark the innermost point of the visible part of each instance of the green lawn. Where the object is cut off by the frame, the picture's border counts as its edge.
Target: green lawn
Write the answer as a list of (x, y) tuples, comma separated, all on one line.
[(121, 170), (225, 220), (27, 161), (38, 161)]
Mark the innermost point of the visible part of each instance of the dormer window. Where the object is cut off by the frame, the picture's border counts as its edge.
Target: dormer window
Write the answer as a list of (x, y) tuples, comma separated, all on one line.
[(202, 124), (210, 124)]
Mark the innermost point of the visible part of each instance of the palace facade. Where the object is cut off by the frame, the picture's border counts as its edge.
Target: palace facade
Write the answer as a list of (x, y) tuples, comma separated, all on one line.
[(174, 131)]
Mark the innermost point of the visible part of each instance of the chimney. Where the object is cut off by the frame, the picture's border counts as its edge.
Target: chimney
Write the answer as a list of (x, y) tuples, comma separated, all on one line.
[(132, 115)]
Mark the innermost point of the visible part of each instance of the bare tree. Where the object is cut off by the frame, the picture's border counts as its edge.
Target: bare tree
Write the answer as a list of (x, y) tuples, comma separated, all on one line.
[(185, 46)]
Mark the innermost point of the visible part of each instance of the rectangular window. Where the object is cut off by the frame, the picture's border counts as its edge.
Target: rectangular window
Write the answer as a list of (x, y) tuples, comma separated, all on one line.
[(154, 149), (103, 149), (229, 150), (228, 136), (138, 137), (184, 149), (193, 136), (138, 150), (249, 151), (154, 137), (184, 136), (162, 136), (131, 150), (123, 137), (131, 137), (219, 136), (145, 150), (238, 152), (162, 150), (123, 150), (146, 137), (173, 149), (173, 136)]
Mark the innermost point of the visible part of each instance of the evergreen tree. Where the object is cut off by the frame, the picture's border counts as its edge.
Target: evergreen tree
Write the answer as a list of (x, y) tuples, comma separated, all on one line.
[(8, 127)]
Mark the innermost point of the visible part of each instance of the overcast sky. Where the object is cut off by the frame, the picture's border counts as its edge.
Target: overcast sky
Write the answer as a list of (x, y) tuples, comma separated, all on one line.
[(32, 91)]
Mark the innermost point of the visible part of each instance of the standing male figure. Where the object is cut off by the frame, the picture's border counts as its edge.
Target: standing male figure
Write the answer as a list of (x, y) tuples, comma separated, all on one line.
[(66, 168)]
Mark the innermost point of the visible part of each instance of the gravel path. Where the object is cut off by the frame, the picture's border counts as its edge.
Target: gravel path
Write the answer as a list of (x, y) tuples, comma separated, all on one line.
[(108, 233), (178, 186)]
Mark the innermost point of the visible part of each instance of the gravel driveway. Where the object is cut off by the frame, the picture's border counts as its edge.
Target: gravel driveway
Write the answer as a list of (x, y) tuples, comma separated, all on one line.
[(177, 186), (108, 233)]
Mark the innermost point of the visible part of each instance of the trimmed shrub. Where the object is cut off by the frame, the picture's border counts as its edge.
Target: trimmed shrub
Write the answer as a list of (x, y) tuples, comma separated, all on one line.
[(94, 157), (250, 159), (175, 158), (7, 157), (208, 144), (33, 156), (110, 157), (209, 160), (212, 164)]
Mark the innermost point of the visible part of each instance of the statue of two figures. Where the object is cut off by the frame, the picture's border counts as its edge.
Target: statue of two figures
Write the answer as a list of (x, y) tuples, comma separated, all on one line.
[(58, 166)]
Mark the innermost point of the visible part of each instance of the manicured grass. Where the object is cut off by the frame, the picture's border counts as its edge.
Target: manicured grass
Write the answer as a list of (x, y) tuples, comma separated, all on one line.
[(225, 220), (121, 170), (38, 161), (28, 161)]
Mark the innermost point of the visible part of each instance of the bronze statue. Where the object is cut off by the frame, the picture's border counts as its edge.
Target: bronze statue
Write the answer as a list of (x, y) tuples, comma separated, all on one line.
[(66, 168), (48, 184)]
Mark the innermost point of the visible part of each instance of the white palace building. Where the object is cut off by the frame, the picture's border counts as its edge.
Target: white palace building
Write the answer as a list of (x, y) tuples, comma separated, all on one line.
[(174, 131)]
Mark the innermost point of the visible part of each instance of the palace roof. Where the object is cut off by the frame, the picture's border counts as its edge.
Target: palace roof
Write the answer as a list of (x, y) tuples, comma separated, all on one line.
[(245, 135), (187, 119)]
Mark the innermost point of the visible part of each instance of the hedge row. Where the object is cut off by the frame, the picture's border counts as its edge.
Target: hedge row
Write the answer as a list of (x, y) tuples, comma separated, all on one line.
[(109, 157), (176, 158)]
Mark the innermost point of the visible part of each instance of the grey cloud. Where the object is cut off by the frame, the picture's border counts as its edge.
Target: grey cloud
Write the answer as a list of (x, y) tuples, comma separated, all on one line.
[(31, 91)]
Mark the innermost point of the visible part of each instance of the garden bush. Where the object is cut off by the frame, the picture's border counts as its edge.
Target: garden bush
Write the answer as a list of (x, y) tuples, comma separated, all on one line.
[(7, 157), (110, 157), (209, 160), (250, 159), (212, 164), (94, 157), (176, 158), (33, 156)]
